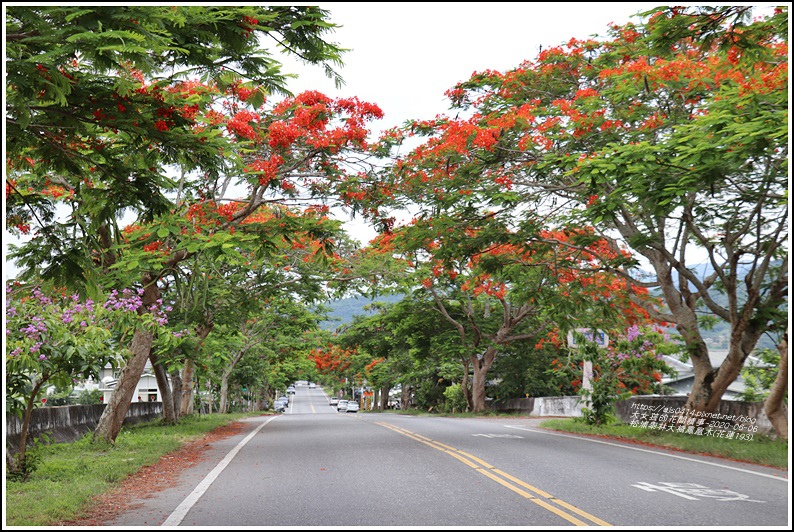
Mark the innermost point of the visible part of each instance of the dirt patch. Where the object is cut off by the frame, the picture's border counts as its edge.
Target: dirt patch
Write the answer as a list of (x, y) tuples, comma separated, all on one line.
[(150, 479)]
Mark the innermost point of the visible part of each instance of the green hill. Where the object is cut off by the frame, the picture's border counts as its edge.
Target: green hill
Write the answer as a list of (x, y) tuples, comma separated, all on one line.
[(344, 310)]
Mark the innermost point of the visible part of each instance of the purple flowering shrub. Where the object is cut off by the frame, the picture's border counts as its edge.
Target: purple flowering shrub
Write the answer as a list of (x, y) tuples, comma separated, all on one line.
[(633, 364)]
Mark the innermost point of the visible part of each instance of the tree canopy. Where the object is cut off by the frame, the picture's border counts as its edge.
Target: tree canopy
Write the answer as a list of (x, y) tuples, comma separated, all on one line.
[(669, 145)]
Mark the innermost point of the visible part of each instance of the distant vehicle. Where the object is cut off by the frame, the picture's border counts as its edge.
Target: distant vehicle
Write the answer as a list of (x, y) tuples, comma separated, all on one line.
[(279, 405), (342, 405), (291, 389), (285, 399), (312, 385), (333, 401), (352, 406)]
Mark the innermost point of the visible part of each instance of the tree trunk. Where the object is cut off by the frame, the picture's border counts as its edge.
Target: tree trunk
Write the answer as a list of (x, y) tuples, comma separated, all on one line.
[(186, 404), (405, 396), (711, 383), (112, 419), (19, 464), (227, 373), (481, 367), (169, 416), (176, 393), (701, 395), (774, 406), (478, 389), (223, 406), (260, 401), (209, 397), (115, 412), (384, 397), (466, 385)]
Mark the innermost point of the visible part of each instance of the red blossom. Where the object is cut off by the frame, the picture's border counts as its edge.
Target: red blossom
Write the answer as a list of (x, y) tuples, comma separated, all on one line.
[(154, 246), (240, 125)]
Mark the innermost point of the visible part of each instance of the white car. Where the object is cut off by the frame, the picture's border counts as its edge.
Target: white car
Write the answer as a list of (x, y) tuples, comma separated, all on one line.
[(342, 405), (312, 386), (352, 406)]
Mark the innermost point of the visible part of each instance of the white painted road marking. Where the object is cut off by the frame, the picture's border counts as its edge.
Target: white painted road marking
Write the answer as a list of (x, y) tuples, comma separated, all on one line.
[(552, 433), (690, 491), (514, 436), (181, 511)]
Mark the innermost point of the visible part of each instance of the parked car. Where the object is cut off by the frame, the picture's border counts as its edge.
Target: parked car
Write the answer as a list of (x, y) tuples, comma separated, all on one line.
[(352, 406), (342, 405), (333, 401), (291, 390), (279, 405), (312, 386)]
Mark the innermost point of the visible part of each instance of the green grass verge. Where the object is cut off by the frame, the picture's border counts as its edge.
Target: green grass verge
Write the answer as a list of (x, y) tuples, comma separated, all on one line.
[(70, 474), (760, 450)]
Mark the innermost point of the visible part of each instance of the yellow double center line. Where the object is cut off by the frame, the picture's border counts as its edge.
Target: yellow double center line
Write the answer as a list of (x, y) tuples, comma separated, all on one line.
[(547, 501)]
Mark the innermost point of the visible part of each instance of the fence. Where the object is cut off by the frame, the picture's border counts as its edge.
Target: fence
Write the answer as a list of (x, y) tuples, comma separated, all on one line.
[(570, 406), (70, 423)]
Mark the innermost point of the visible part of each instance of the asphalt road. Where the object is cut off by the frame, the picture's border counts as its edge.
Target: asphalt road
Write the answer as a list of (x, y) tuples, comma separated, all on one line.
[(315, 467)]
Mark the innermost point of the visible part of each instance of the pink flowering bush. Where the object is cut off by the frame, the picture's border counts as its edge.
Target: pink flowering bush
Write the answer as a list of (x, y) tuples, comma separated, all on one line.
[(54, 339)]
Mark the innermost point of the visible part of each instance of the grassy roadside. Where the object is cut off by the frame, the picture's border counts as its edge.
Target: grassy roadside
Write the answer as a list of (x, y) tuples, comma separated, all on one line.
[(71, 474), (761, 450)]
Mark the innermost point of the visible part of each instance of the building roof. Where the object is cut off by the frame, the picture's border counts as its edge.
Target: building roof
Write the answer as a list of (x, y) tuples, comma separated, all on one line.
[(683, 381)]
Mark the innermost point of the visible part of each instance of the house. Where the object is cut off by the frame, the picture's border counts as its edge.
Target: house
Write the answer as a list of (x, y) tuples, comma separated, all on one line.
[(148, 391), (683, 381)]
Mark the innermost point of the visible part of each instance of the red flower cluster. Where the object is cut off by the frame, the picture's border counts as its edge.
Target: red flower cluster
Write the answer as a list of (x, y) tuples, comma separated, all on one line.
[(248, 24), (268, 169), (240, 124), (154, 246)]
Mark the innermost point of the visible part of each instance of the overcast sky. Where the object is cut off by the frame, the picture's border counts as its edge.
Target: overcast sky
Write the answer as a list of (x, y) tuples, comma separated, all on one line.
[(405, 55)]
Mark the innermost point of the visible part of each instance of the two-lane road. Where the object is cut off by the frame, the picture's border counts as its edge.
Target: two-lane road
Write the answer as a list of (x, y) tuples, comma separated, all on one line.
[(313, 466)]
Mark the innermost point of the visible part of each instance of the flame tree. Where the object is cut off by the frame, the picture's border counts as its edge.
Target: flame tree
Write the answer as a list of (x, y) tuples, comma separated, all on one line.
[(669, 138), (106, 104), (495, 289)]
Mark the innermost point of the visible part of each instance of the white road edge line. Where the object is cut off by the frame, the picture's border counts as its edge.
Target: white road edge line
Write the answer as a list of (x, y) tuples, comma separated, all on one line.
[(551, 433), (181, 511)]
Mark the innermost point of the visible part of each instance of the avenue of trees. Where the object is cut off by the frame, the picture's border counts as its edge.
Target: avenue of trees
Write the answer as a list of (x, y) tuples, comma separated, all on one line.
[(176, 205)]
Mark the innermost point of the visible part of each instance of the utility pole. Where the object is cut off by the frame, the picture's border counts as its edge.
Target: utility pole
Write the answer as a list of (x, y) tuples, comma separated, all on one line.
[(602, 340)]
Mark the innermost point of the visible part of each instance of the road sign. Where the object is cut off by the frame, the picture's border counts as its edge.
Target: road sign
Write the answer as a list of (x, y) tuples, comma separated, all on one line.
[(594, 335)]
